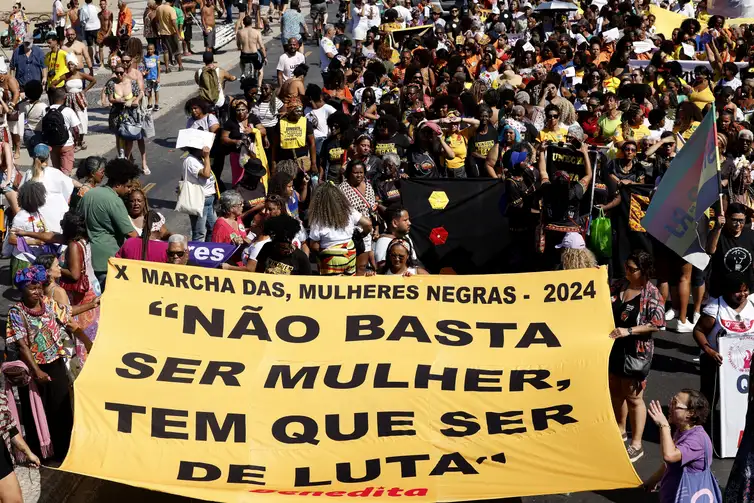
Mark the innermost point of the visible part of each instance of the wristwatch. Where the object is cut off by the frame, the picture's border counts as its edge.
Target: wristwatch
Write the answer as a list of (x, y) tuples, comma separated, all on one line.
[(630, 330)]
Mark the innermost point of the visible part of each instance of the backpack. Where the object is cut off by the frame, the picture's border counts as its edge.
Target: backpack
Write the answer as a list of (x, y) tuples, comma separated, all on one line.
[(209, 86), (54, 130)]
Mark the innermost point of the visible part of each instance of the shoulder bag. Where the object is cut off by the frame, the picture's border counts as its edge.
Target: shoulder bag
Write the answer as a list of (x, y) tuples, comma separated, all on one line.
[(190, 196)]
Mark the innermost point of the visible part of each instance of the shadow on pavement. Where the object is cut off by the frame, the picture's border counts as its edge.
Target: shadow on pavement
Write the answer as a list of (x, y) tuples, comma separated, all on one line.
[(662, 363), (683, 348)]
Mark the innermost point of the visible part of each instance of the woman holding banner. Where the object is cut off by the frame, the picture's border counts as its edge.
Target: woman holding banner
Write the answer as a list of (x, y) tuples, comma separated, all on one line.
[(731, 314), (638, 312)]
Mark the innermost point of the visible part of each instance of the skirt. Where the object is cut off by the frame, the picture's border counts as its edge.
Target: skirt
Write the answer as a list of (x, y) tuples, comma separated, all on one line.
[(77, 102), (56, 400), (338, 260), (6, 461)]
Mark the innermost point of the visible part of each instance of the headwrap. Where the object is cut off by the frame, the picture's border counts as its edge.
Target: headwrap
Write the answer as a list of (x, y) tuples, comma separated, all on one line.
[(71, 58), (32, 274), (506, 128)]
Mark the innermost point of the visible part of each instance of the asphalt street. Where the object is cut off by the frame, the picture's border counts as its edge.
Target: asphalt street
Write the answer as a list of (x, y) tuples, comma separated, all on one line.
[(673, 367)]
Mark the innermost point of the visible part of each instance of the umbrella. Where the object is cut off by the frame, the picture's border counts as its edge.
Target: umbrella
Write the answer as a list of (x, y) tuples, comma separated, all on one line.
[(555, 6)]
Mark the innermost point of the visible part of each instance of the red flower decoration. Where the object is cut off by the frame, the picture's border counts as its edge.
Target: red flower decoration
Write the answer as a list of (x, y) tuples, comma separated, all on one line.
[(438, 236)]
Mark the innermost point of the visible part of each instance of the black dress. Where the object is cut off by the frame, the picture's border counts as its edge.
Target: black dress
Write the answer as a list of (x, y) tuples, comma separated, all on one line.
[(625, 315)]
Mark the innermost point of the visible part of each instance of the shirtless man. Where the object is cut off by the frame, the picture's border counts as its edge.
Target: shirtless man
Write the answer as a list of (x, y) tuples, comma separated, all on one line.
[(78, 48), (189, 7), (208, 24), (253, 53), (293, 89), (10, 92), (106, 29)]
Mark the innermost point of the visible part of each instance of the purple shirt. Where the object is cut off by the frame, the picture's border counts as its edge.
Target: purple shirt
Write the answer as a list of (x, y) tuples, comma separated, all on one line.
[(692, 443)]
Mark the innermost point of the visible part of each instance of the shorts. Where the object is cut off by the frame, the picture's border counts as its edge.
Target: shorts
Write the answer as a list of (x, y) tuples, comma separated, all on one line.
[(254, 58), (318, 8), (151, 86), (91, 37), (209, 38), (264, 10), (170, 42), (187, 31), (668, 267)]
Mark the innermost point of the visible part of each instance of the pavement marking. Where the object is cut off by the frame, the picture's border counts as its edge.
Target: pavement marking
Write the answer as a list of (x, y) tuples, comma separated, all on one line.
[(308, 53), (148, 187)]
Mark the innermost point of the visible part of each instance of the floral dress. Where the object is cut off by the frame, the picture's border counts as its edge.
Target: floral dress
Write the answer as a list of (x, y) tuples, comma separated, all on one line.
[(120, 114), (18, 26)]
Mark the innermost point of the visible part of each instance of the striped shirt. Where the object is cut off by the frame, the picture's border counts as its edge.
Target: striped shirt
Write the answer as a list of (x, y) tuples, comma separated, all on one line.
[(266, 117)]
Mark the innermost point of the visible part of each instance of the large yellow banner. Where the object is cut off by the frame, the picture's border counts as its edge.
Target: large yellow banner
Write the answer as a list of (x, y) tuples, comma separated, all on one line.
[(240, 387)]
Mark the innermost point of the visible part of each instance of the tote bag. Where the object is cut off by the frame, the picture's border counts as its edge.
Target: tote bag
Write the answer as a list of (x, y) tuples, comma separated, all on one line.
[(699, 487), (190, 197)]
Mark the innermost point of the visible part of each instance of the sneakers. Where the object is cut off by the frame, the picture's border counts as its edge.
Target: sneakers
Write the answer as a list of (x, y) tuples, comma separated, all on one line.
[(669, 314), (696, 317), (684, 327), (634, 454), (156, 108)]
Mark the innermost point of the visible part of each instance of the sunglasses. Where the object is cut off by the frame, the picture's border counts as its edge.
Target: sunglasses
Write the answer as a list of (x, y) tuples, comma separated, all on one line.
[(632, 270), (553, 116), (119, 73), (629, 149), (737, 221), (179, 254)]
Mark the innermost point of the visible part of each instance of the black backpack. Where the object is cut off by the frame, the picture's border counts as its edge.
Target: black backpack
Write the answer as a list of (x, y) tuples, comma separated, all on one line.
[(54, 130)]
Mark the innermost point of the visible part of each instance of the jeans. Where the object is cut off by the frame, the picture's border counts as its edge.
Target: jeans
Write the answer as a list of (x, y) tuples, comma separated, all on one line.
[(206, 222), (101, 277), (229, 11)]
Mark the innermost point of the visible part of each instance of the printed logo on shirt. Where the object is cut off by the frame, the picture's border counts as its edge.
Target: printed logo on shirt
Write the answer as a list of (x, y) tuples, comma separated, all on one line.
[(740, 354), (275, 267), (385, 148), (738, 326), (737, 259)]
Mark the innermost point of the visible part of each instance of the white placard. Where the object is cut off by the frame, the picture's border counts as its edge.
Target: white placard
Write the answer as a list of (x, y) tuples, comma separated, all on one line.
[(528, 47), (642, 46), (577, 80), (569, 72), (689, 50), (194, 138), (611, 35), (737, 354)]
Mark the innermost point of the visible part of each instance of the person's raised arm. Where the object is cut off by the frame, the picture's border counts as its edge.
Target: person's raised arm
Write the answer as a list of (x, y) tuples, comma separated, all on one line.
[(714, 237), (670, 453), (587, 178)]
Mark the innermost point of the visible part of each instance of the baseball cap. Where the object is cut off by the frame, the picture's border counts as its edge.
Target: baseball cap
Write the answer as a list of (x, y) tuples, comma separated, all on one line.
[(572, 240)]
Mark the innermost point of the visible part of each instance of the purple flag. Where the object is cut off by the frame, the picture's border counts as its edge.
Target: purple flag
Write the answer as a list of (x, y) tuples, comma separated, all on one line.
[(210, 254)]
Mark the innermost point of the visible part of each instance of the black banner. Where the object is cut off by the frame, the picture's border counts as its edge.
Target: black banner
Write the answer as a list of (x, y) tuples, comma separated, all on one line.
[(465, 231)]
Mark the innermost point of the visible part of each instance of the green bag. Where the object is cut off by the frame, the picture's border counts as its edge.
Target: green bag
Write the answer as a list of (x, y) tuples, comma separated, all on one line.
[(601, 236)]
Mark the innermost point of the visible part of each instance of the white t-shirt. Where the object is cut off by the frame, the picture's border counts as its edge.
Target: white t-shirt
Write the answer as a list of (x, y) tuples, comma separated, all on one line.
[(728, 322), (380, 248), (33, 114), (193, 166), (326, 46), (318, 118), (287, 64), (252, 251), (57, 5), (357, 94), (89, 12), (59, 189), (328, 237), (404, 15), (71, 121)]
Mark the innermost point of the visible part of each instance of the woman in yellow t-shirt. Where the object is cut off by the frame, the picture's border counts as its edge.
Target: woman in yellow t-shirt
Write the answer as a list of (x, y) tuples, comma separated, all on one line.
[(699, 92), (632, 126), (456, 141), (687, 119), (553, 132)]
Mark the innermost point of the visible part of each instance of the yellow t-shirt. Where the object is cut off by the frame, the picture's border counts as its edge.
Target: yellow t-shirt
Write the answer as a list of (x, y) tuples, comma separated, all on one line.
[(56, 68), (552, 136), (687, 134), (702, 98), (459, 145), (611, 84), (637, 133)]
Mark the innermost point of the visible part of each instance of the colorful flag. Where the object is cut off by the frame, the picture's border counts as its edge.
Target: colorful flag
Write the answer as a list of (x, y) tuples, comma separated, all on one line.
[(690, 186)]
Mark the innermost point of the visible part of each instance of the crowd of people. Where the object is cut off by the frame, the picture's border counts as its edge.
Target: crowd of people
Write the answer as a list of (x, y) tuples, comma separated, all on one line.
[(486, 90)]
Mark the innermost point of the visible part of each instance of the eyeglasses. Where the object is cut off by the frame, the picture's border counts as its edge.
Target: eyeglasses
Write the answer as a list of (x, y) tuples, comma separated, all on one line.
[(553, 116), (178, 254), (675, 405), (632, 270), (628, 150), (737, 221)]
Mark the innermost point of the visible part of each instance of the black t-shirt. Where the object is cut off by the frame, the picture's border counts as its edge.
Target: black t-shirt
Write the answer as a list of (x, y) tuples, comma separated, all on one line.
[(732, 255), (636, 174), (521, 196), (331, 157), (234, 132), (395, 145), (270, 261), (387, 191), (561, 201), (479, 147), (422, 163)]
